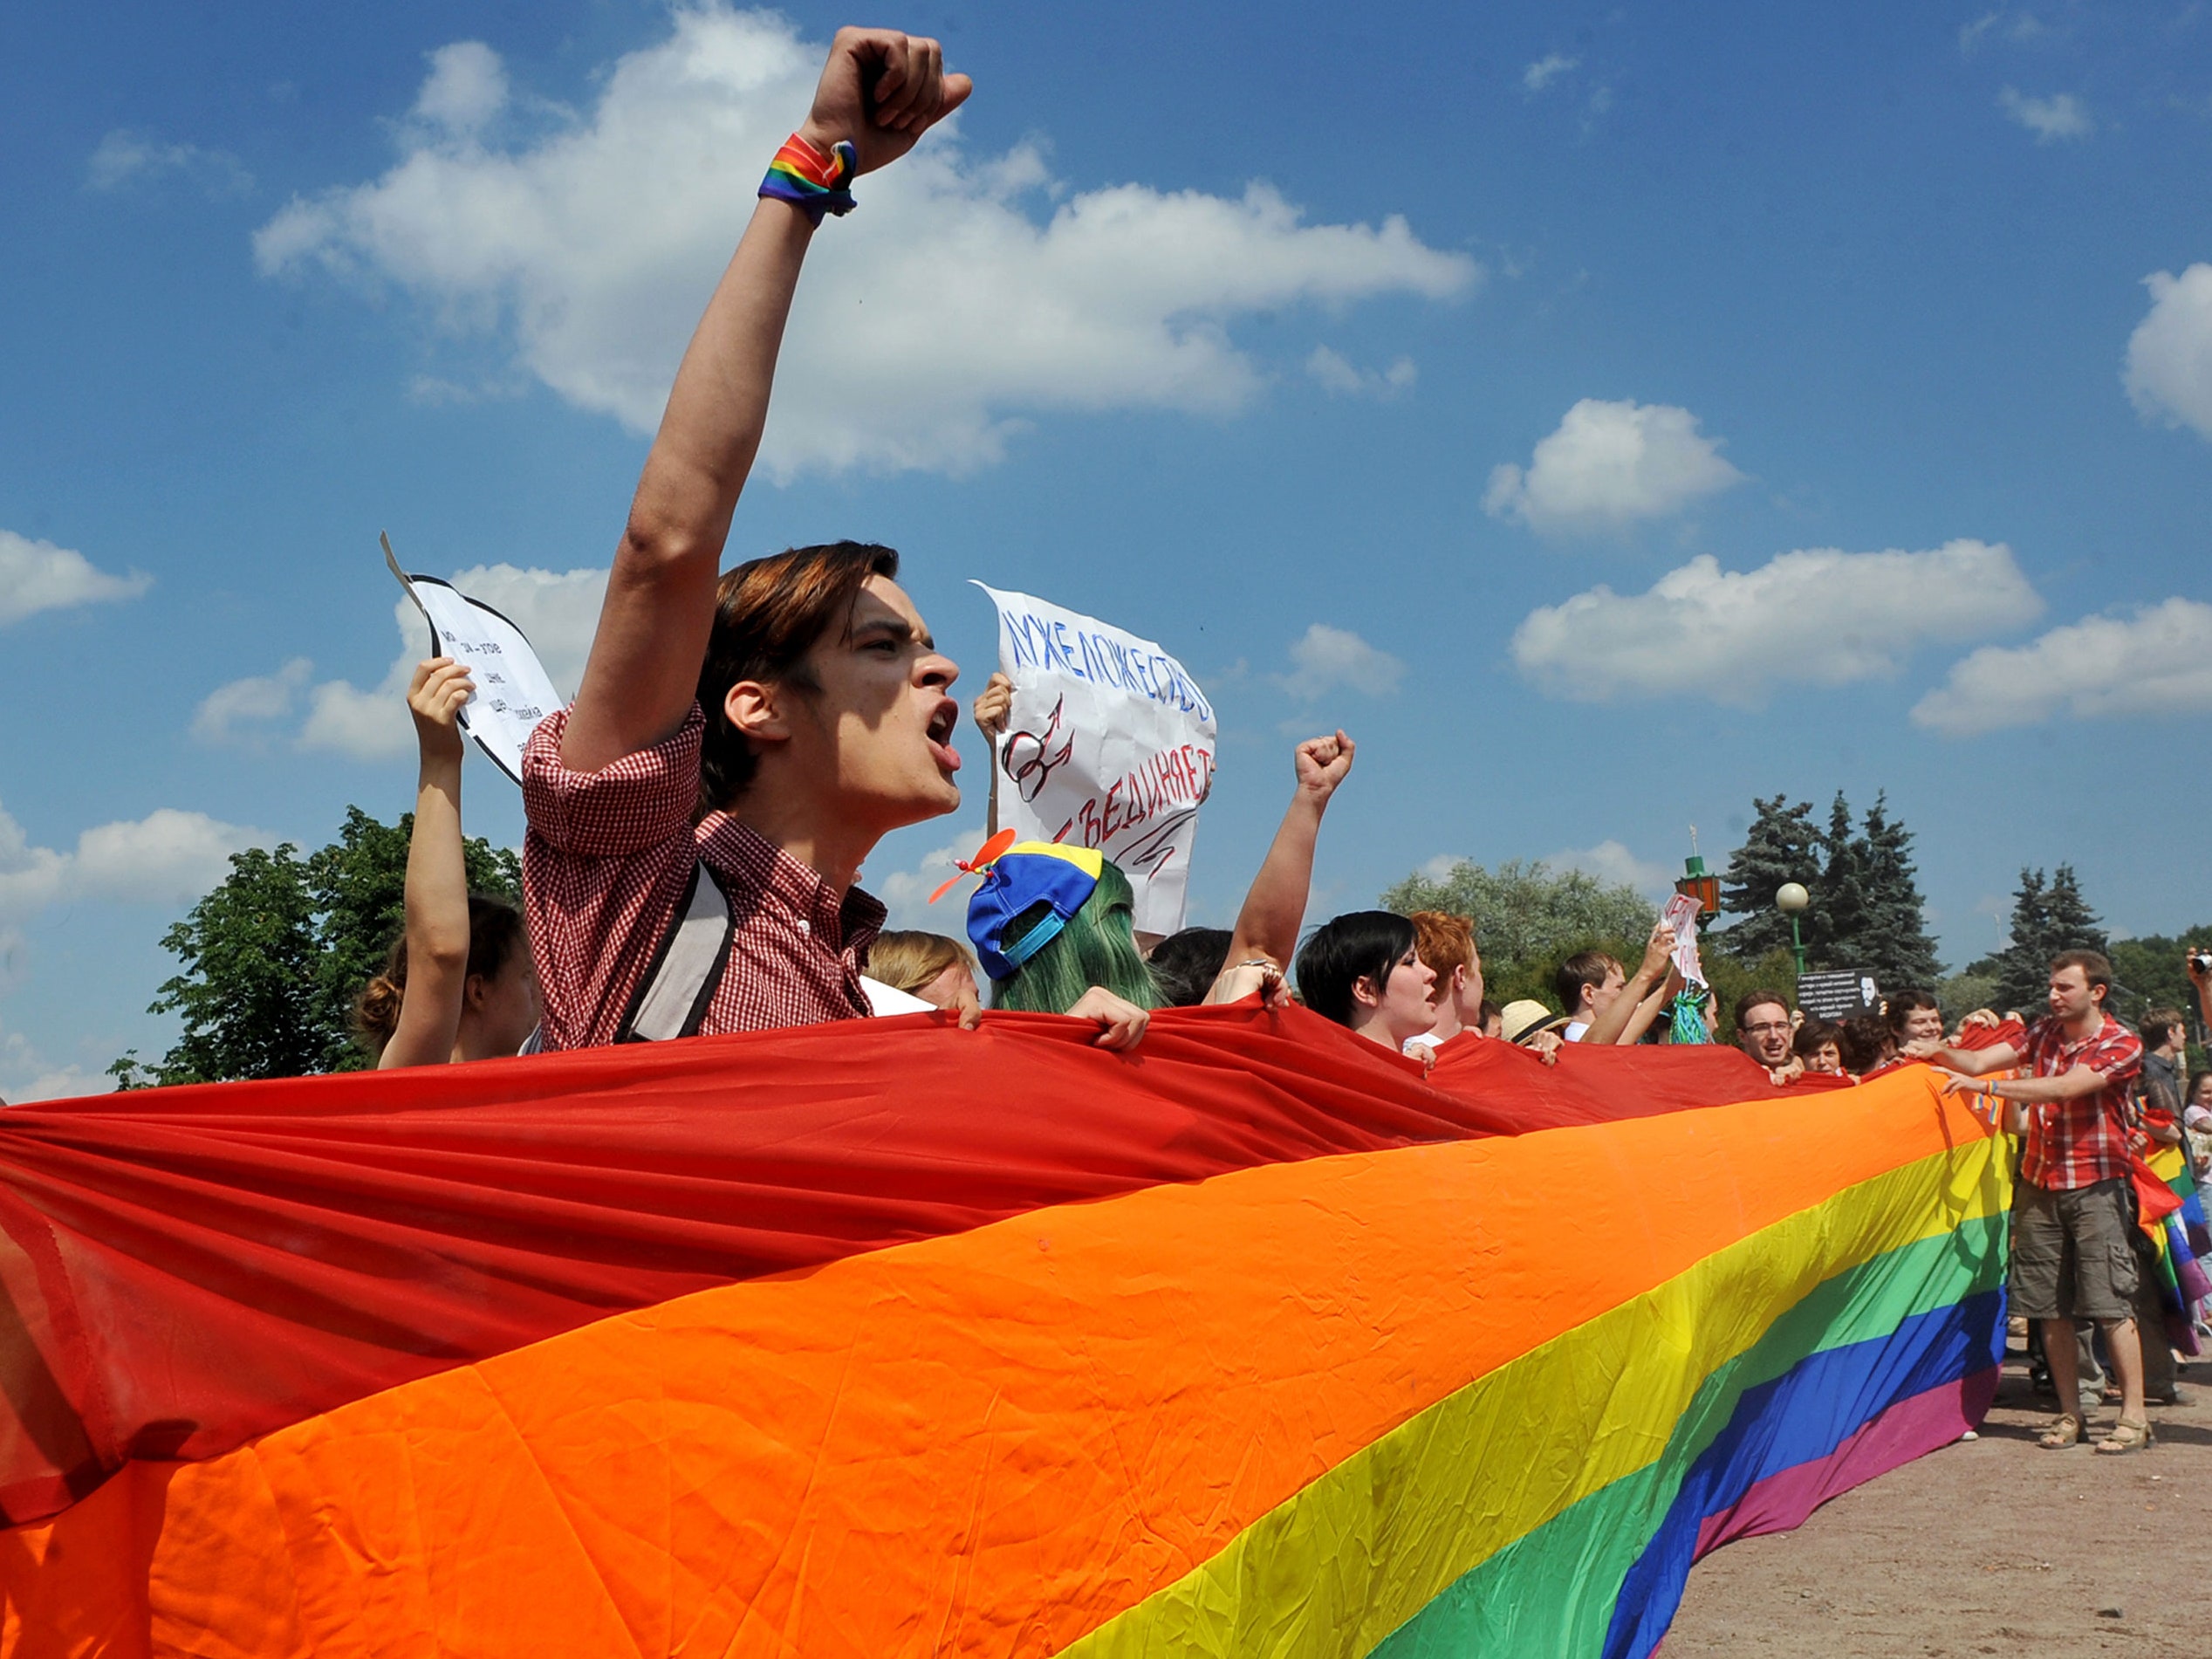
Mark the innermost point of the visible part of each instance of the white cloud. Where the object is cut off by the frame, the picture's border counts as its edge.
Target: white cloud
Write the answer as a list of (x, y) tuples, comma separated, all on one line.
[(931, 322), (1547, 69), (1609, 465), (164, 857), (467, 86), (2169, 355), (168, 857), (2060, 116), (366, 725), (1325, 658), (906, 893), (555, 610), (2021, 28), (38, 576), (1816, 616), (26, 1075), (255, 701), (2156, 661), (124, 157), (1343, 380), (1611, 862)]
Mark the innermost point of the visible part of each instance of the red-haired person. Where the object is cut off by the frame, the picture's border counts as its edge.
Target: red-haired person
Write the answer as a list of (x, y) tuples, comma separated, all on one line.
[(698, 818)]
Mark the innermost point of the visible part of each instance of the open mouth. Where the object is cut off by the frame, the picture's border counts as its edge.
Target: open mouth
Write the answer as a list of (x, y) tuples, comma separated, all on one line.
[(943, 724)]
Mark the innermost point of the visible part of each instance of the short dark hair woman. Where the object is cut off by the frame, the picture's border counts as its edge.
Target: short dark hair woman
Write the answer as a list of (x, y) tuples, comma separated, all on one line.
[(1361, 970)]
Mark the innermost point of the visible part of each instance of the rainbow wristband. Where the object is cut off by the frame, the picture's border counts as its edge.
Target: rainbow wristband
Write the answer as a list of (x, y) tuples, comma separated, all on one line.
[(812, 183)]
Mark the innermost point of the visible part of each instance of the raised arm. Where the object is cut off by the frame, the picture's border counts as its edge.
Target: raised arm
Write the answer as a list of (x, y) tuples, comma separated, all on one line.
[(437, 878), (1650, 1009), (1611, 1025), (1268, 925), (880, 90), (992, 705)]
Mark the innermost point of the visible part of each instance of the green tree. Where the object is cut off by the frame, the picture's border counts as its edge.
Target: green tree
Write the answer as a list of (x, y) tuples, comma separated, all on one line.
[(2150, 975), (359, 885), (1866, 912), (1783, 844), (1530, 918), (247, 994), (1971, 988), (1893, 943), (1836, 923), (2049, 915), (273, 958), (1733, 979)]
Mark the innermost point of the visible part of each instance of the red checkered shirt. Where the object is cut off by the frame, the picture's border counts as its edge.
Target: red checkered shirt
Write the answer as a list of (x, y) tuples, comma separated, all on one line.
[(605, 863), (2079, 1142)]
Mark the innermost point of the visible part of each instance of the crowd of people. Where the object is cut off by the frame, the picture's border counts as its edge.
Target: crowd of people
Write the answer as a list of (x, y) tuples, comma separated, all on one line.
[(699, 816)]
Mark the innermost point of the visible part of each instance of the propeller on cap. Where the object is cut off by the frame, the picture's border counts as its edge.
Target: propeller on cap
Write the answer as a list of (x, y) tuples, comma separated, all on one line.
[(986, 855)]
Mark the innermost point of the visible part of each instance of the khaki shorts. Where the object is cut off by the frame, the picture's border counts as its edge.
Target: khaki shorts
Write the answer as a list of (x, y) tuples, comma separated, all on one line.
[(2074, 1252)]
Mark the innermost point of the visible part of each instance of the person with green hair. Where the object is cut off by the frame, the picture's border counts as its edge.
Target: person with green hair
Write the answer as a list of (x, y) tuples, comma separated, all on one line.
[(1052, 926)]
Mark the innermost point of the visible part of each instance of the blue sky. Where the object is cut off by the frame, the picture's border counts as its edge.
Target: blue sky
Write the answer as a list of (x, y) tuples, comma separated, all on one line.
[(1604, 413)]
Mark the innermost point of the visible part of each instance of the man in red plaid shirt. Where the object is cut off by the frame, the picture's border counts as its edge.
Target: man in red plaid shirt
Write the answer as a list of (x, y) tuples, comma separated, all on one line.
[(2073, 1208), (763, 729)]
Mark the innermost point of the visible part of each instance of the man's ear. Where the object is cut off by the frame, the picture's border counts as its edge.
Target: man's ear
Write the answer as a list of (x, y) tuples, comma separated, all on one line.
[(473, 992), (756, 711)]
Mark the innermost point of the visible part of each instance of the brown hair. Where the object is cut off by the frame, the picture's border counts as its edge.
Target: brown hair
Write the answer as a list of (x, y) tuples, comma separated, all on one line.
[(2095, 966), (2160, 1021), (1902, 1007), (1443, 941), (768, 613), (1589, 968), (1759, 999), (495, 934), (1815, 1034), (1860, 1040), (907, 961)]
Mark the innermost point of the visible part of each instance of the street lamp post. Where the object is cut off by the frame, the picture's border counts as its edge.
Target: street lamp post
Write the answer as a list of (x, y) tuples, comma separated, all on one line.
[(1790, 899)]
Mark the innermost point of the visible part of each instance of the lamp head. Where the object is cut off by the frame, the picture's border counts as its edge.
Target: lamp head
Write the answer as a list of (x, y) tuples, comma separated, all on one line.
[(1791, 897)]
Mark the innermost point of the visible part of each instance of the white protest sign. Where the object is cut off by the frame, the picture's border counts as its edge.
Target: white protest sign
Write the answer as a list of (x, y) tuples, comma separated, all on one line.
[(513, 691), (1110, 743), (1681, 917)]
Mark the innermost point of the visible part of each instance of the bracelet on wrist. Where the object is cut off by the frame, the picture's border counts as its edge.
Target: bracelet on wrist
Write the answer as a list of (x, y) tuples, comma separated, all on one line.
[(812, 180)]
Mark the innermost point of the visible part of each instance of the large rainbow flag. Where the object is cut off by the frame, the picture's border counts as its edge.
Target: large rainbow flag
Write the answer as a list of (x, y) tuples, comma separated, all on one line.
[(893, 1339)]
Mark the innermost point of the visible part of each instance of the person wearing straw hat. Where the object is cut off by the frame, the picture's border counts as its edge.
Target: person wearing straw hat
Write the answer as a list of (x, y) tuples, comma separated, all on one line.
[(1528, 1023)]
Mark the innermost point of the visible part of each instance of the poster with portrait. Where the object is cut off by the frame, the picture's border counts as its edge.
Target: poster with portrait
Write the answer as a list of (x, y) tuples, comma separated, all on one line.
[(1110, 743)]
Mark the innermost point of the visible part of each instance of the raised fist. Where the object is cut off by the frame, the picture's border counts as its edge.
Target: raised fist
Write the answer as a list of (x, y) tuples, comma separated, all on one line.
[(883, 89)]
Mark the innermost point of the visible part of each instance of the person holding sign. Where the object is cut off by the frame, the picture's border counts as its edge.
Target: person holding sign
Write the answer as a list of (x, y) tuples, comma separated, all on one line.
[(699, 816), (458, 985)]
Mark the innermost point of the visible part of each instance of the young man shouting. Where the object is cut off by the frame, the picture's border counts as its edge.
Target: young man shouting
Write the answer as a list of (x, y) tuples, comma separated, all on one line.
[(740, 743), (2073, 1212)]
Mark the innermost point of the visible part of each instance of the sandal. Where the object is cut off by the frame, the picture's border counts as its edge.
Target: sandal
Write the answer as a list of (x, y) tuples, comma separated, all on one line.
[(2064, 1431), (2127, 1436)]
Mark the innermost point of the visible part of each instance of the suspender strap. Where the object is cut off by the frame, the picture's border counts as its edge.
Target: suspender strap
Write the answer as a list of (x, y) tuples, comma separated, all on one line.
[(687, 967)]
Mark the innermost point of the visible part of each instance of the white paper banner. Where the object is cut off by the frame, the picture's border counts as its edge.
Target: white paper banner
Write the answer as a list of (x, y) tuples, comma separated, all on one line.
[(1681, 917), (513, 691), (1110, 744)]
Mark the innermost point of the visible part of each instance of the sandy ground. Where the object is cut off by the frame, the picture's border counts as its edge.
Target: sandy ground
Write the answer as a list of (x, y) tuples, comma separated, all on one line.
[(1992, 1545)]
